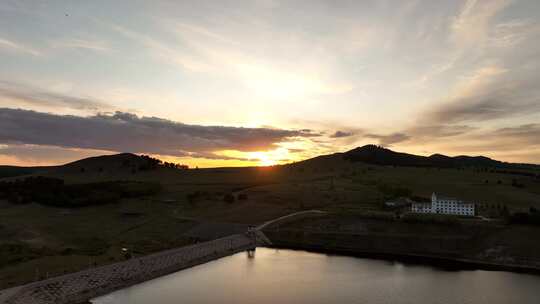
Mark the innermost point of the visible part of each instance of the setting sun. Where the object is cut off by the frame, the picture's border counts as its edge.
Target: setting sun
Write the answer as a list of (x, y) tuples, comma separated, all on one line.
[(264, 158), (277, 156), (270, 158)]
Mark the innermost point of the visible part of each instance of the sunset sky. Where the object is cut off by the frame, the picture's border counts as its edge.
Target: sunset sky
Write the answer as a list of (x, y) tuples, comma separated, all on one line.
[(231, 83)]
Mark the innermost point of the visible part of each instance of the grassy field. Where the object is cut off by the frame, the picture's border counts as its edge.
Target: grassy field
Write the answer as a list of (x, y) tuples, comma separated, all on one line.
[(37, 240)]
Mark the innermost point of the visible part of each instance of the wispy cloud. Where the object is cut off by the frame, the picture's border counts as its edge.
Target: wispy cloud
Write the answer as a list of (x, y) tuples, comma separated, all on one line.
[(164, 51), (488, 94), (472, 24), (93, 45), (200, 49), (18, 47), (341, 134), (390, 139), (510, 34), (11, 93)]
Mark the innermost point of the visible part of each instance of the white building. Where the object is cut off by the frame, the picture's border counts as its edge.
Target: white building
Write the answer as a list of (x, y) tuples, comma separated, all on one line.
[(444, 205)]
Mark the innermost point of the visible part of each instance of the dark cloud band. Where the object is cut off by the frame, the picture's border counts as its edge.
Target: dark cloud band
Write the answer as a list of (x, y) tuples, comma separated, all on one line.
[(129, 132)]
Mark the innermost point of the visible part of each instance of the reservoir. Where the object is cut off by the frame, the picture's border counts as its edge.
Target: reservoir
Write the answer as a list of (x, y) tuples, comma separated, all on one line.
[(288, 276)]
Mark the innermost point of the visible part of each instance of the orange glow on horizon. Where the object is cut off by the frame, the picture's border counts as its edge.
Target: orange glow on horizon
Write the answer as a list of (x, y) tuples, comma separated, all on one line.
[(233, 158)]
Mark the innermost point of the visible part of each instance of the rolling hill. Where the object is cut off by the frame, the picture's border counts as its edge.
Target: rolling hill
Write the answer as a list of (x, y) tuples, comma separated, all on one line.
[(127, 164), (377, 155)]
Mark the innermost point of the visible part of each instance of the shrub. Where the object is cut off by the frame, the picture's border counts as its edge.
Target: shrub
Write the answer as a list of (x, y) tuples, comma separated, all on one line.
[(430, 218), (53, 192), (524, 218), (228, 198), (393, 191), (378, 215), (192, 197), (372, 214)]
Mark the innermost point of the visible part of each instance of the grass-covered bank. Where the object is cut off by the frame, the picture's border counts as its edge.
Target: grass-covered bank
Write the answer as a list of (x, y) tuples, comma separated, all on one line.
[(463, 244)]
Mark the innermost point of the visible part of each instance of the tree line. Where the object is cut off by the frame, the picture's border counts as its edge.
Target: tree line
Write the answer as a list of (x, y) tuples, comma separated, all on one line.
[(152, 163), (54, 192)]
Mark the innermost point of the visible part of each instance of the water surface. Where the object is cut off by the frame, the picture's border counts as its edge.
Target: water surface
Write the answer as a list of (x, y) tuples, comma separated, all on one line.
[(287, 276)]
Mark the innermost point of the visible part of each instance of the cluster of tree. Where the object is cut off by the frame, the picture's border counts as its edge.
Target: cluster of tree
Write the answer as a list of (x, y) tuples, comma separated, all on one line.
[(153, 163), (526, 218), (370, 214), (16, 252), (517, 184), (390, 191), (194, 196), (493, 210), (430, 218), (515, 172), (54, 192), (230, 198), (22, 191), (150, 163), (175, 165), (9, 171), (420, 199)]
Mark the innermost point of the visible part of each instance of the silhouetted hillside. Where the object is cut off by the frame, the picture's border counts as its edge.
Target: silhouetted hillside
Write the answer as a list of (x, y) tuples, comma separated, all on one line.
[(124, 165), (380, 156), (110, 163), (116, 166), (373, 154)]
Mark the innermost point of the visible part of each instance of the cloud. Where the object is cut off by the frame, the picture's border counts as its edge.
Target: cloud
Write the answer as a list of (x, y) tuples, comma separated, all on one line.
[(489, 93), (296, 150), (487, 108), (17, 47), (93, 45), (129, 132), (473, 22), (187, 59), (513, 143), (46, 155), (438, 131), (528, 134), (215, 51), (387, 140), (341, 134), (512, 33), (10, 92)]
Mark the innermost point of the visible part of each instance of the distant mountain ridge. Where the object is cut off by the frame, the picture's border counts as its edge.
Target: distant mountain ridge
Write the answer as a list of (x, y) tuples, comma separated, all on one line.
[(122, 163), (128, 163), (373, 154)]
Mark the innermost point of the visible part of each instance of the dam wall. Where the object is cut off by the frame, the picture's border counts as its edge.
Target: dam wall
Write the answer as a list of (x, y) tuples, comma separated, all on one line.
[(80, 287)]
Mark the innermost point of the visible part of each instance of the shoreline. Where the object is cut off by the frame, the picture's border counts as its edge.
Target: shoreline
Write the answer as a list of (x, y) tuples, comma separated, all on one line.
[(442, 262), (83, 286)]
